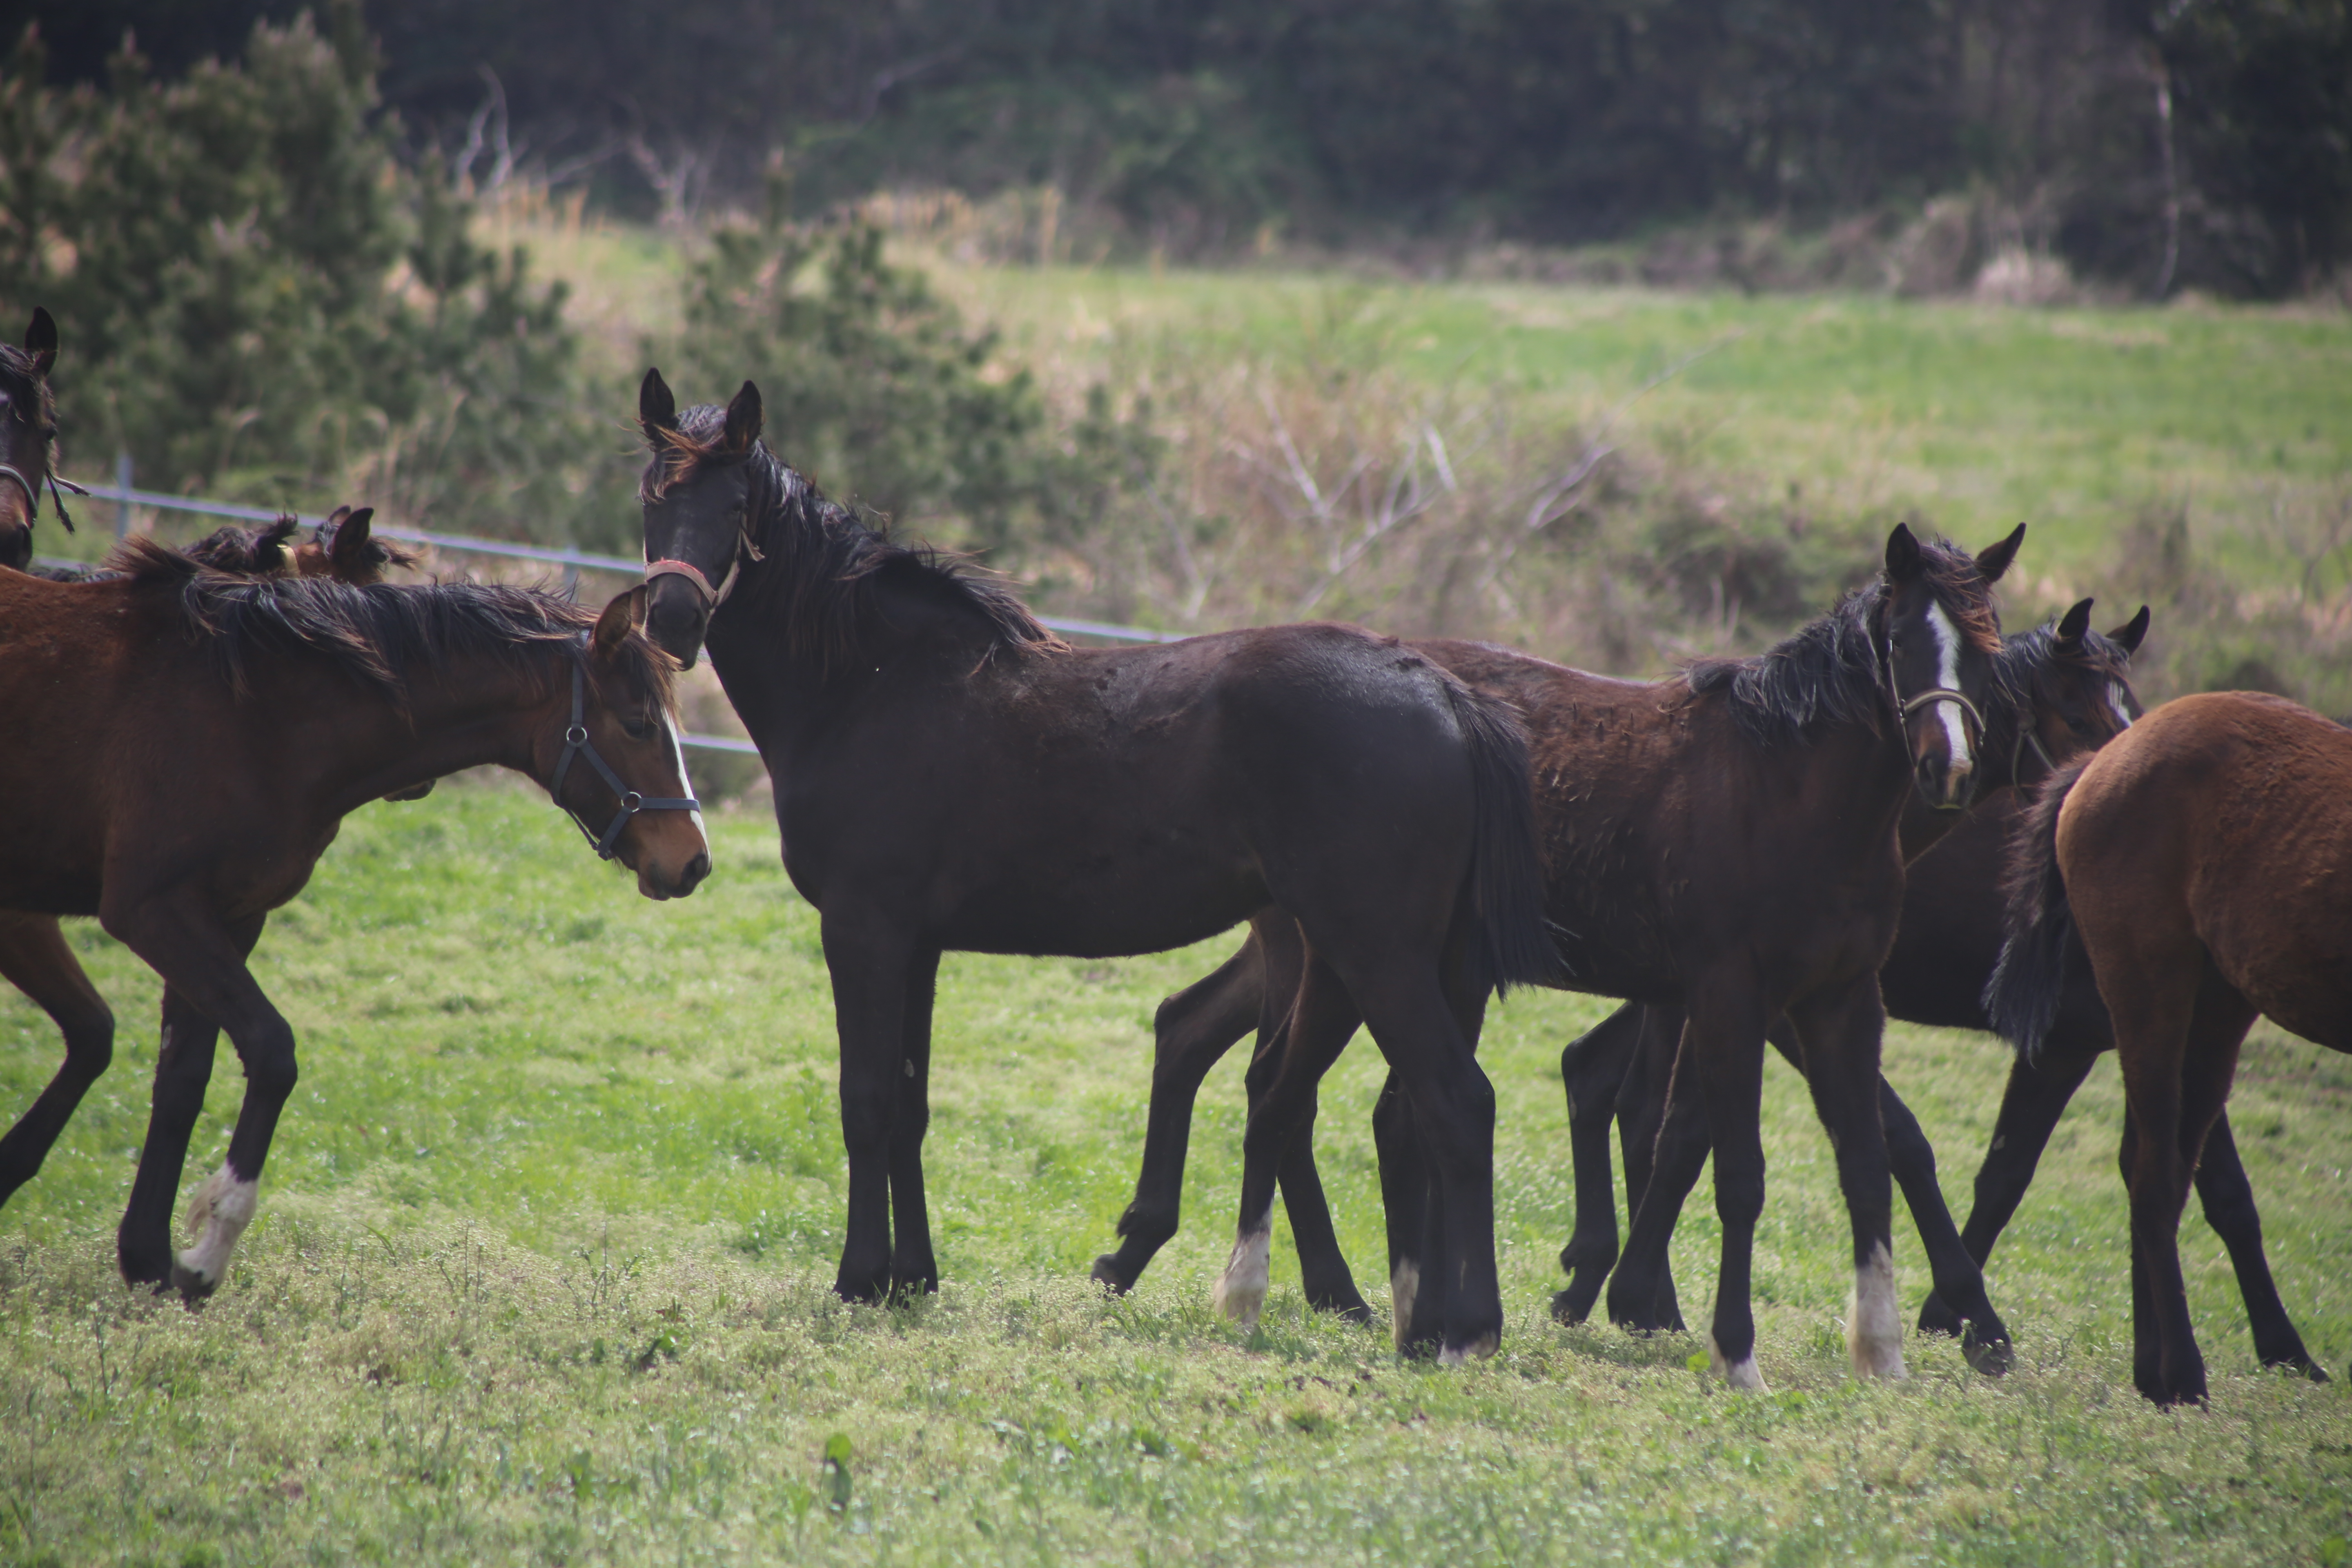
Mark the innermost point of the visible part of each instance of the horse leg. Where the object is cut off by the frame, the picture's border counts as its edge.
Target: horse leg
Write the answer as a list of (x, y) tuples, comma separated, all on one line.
[(1841, 1027), (1406, 1204), (34, 957), (1322, 1019), (1593, 1069), (869, 964), (1957, 1275), (1662, 1124), (1190, 1034), (208, 990), (2176, 1035), (914, 1270), (2036, 1097), (2229, 1201)]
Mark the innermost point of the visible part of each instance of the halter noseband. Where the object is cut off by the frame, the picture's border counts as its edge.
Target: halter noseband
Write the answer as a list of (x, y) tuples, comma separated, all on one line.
[(712, 597), (1907, 706), (576, 743)]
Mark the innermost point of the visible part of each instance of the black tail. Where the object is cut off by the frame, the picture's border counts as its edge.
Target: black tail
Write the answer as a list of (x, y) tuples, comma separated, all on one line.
[(1507, 889), (2028, 983)]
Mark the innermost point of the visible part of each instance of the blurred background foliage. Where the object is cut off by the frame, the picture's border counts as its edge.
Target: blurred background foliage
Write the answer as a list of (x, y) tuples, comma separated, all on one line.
[(283, 246)]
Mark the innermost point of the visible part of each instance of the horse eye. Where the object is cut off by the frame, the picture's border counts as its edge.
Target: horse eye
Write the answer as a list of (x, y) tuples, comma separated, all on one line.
[(638, 729)]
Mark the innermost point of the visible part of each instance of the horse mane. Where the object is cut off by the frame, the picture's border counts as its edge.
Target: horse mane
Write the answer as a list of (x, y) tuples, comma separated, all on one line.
[(383, 635), (816, 569), (1827, 671)]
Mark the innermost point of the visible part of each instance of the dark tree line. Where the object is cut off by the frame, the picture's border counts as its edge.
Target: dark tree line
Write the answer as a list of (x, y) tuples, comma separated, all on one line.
[(2160, 142)]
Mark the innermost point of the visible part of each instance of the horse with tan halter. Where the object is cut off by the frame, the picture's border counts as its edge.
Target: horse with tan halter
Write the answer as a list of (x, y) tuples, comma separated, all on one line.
[(2205, 862), (191, 741)]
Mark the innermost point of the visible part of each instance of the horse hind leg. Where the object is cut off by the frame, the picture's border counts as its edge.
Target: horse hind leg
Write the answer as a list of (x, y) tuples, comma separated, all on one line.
[(1322, 1019), (35, 958), (2228, 1198), (1593, 1070)]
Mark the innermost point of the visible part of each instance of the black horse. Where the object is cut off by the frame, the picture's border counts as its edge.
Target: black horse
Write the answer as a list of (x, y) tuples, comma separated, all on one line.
[(1726, 841), (949, 776)]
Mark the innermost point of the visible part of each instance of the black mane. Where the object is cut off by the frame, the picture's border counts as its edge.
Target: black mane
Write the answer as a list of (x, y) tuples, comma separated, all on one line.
[(818, 567), (1828, 672), (381, 635)]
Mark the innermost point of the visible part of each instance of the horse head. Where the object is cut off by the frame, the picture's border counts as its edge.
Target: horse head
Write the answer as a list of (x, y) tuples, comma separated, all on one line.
[(1941, 639), (696, 494), (28, 429)]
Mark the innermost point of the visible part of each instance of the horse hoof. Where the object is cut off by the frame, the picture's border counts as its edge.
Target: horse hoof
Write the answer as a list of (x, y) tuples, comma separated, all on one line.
[(1935, 1318), (1240, 1291), (1993, 1358), (192, 1286), (1347, 1308), (1105, 1274), (1478, 1348), (1742, 1375), (1566, 1310)]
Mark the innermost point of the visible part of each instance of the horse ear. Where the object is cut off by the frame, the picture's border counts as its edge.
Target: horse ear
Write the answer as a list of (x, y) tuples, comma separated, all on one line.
[(2074, 624), (2132, 632), (624, 614), (41, 340), (744, 417), (1995, 558), (351, 537), (1902, 555), (657, 409)]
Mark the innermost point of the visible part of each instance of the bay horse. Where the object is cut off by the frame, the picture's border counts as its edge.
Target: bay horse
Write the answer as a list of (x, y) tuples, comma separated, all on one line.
[(1725, 839), (28, 436), (2065, 691), (2204, 860), (950, 776), (193, 740)]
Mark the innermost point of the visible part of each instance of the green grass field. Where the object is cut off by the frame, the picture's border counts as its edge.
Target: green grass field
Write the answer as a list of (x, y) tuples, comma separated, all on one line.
[(540, 1276)]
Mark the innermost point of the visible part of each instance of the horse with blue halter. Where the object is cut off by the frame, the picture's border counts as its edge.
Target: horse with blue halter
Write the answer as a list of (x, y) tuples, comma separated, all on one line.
[(950, 776), (190, 740)]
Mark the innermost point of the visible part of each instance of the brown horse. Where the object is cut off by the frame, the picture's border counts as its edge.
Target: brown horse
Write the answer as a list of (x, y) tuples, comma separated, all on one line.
[(28, 436), (2205, 861), (949, 776), (1726, 840), (341, 547), (2064, 689), (194, 738)]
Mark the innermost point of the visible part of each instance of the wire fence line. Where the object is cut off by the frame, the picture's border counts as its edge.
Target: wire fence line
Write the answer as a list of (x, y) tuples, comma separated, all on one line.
[(573, 562)]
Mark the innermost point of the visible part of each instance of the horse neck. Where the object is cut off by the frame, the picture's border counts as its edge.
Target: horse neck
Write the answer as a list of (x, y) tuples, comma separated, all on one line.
[(471, 712)]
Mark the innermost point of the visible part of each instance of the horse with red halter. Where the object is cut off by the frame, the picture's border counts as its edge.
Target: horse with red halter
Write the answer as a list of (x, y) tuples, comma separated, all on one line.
[(950, 776), (2204, 861), (1724, 840), (2066, 691), (190, 742)]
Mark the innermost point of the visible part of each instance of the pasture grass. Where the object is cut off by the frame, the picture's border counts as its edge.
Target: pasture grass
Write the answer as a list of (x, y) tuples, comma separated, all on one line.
[(541, 1272)]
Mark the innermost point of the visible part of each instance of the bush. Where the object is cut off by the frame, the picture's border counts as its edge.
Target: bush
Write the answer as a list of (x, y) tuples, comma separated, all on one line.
[(257, 300)]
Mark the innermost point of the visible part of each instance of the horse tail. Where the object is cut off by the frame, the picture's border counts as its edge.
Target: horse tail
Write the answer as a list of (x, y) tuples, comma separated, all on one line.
[(1506, 888), (2030, 981)]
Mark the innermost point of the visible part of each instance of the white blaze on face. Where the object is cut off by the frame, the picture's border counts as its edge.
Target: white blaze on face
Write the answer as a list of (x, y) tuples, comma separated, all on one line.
[(1240, 1291), (2116, 701), (217, 1215), (1947, 676), (1742, 1375), (1874, 1328), (684, 782)]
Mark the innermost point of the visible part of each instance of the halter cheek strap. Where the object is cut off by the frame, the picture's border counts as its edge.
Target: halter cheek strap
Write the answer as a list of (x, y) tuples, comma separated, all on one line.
[(576, 743), (57, 488)]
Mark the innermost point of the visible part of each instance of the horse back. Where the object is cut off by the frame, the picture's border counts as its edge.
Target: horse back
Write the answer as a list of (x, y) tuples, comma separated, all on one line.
[(2223, 821)]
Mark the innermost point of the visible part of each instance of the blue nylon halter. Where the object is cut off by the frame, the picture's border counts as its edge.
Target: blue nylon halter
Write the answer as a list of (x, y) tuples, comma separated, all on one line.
[(576, 743)]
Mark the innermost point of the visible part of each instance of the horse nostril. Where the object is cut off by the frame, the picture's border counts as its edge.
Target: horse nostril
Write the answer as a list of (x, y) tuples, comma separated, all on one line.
[(696, 870)]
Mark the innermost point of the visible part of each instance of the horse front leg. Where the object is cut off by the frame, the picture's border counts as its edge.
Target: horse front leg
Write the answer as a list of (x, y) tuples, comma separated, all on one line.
[(1592, 1070), (1985, 1341), (208, 990), (869, 963), (34, 957), (1841, 1027), (914, 1270), (1190, 1033), (1668, 1136), (2228, 1198), (2036, 1096)]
